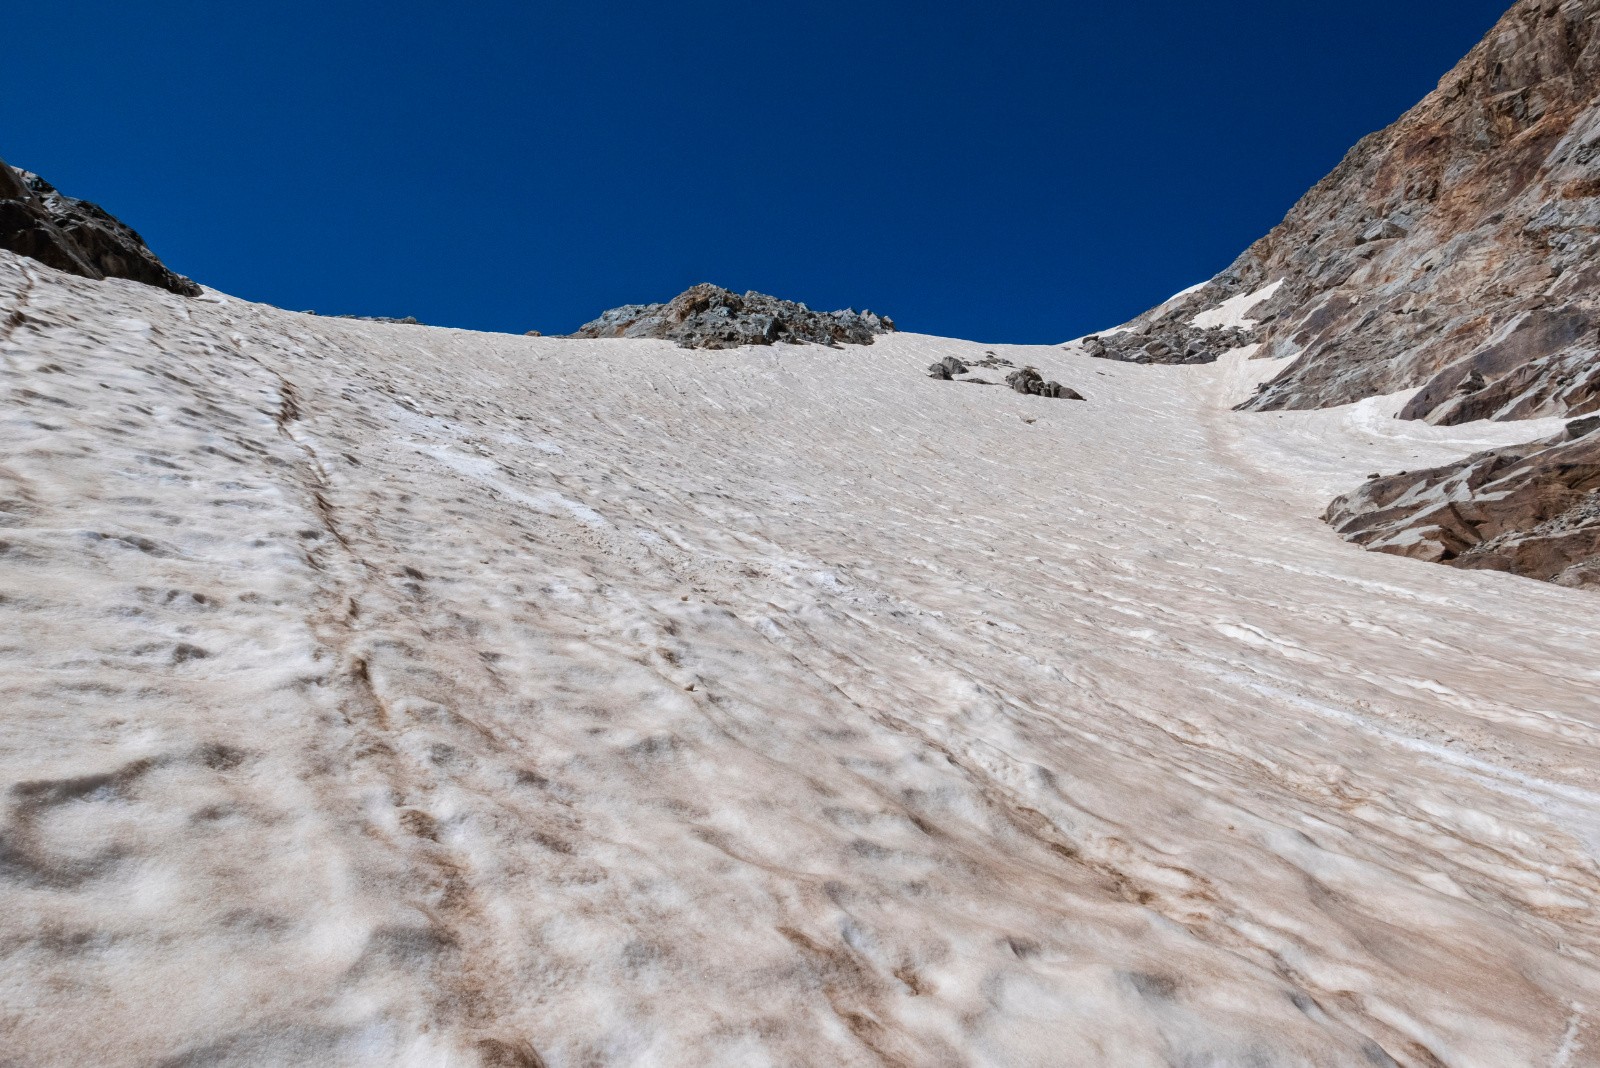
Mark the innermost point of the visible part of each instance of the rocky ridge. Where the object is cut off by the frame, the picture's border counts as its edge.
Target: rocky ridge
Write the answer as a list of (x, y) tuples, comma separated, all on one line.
[(710, 317), (1457, 250), (38, 221)]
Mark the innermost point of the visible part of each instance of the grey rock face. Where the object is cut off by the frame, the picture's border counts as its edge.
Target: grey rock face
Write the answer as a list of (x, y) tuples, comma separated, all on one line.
[(72, 235), (1532, 510), (947, 368), (1458, 250), (710, 317)]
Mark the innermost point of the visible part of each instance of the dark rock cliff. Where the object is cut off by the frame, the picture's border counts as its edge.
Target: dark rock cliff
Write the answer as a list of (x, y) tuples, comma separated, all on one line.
[(72, 235)]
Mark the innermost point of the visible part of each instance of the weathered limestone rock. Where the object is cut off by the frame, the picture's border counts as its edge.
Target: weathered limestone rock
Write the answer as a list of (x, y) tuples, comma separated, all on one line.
[(710, 317)]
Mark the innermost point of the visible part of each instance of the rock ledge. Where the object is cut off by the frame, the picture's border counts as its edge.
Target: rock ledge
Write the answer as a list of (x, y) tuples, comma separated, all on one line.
[(1532, 510)]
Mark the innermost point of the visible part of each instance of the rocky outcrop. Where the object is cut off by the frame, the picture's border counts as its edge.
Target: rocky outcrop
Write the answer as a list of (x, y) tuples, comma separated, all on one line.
[(1029, 381), (710, 317), (1169, 337), (72, 235), (1458, 250), (993, 361), (947, 369), (1026, 380), (1532, 510)]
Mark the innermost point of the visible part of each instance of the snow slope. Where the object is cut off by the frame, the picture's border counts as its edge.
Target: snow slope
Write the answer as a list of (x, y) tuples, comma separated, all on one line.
[(1234, 313), (382, 695)]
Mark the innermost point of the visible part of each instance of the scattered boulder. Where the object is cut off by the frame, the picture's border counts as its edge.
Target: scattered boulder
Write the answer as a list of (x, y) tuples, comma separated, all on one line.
[(1531, 510), (1029, 381), (38, 221), (534, 333), (710, 317), (993, 362)]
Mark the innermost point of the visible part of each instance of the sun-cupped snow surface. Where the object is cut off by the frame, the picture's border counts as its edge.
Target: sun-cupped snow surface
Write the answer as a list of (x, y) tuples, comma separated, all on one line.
[(380, 695)]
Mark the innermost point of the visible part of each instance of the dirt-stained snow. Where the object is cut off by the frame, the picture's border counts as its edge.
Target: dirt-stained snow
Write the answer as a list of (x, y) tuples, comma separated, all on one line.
[(379, 695)]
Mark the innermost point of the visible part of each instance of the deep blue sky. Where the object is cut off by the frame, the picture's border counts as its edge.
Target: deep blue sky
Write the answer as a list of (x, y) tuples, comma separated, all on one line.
[(1011, 171)]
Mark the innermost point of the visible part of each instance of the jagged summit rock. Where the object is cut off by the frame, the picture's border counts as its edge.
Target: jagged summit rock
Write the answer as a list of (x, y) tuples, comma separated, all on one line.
[(710, 317), (1458, 250), (72, 235)]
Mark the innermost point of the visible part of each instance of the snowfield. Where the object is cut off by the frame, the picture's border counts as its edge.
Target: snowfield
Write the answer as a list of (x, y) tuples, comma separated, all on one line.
[(384, 695), (1234, 313)]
